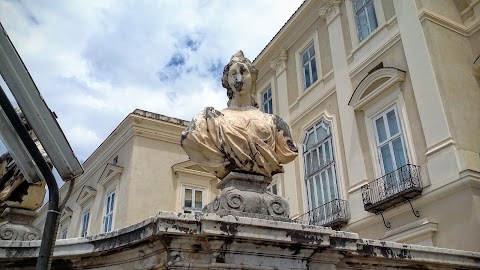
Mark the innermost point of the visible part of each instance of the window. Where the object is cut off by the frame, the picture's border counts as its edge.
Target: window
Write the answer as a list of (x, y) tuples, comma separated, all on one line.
[(108, 218), (272, 188), (390, 145), (267, 104), (192, 200), (309, 66), (63, 230), (64, 233), (85, 222), (319, 160), (365, 17)]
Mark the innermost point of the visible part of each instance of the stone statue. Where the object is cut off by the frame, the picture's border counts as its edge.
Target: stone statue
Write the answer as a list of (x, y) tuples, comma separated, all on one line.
[(242, 146), (239, 138), (18, 198)]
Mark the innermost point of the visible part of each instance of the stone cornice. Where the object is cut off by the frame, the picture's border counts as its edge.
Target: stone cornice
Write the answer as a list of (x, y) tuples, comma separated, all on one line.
[(210, 241)]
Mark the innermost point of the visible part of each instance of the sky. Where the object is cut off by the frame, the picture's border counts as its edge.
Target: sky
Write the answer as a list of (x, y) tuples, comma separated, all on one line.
[(95, 62)]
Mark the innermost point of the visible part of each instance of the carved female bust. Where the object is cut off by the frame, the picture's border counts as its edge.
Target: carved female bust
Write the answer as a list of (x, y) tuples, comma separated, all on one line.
[(239, 138)]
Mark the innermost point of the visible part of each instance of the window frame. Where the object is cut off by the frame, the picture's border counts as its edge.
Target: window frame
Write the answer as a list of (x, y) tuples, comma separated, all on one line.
[(268, 89), (83, 230), (64, 233), (109, 215), (313, 39), (356, 15), (394, 98), (389, 139), (273, 188), (192, 209), (63, 228), (358, 51), (308, 63), (332, 165)]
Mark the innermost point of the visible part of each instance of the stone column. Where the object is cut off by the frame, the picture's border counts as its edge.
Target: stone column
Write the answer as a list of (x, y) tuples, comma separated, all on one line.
[(279, 64), (351, 141)]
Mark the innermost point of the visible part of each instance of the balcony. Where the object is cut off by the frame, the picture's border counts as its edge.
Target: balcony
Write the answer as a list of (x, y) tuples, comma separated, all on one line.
[(332, 214), (392, 189)]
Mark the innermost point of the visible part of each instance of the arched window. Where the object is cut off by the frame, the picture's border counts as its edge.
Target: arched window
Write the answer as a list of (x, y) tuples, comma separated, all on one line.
[(319, 160)]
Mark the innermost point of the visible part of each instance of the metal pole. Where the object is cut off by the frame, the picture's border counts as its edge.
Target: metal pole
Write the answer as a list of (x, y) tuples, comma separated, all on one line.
[(50, 229)]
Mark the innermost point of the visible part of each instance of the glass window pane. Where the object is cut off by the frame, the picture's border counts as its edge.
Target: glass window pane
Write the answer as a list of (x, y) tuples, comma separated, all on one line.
[(308, 163), (358, 5), (322, 157), (319, 190), (392, 123), (314, 70), (305, 58), (399, 152), (198, 199), (188, 197), (312, 193), (311, 51), (362, 25), (372, 18), (108, 204), (306, 70), (332, 183), (387, 159), (315, 160), (112, 202), (325, 189), (310, 141), (328, 152), (322, 133), (381, 131), (270, 106), (274, 189)]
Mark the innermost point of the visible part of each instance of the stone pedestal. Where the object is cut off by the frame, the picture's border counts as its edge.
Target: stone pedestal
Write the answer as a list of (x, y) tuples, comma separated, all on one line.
[(16, 224), (246, 195)]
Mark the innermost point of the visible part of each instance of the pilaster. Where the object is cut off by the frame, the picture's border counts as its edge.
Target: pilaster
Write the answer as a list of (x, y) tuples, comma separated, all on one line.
[(279, 64), (351, 141), (440, 152), (426, 90)]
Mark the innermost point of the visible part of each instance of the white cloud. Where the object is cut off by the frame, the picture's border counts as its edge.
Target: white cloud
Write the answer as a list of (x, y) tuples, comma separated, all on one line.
[(96, 61)]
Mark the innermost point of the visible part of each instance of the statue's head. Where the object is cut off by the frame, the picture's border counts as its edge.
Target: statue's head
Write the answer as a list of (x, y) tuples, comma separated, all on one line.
[(239, 76)]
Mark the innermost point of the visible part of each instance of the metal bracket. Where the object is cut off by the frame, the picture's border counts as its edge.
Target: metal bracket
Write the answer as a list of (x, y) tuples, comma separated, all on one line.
[(415, 212), (387, 224)]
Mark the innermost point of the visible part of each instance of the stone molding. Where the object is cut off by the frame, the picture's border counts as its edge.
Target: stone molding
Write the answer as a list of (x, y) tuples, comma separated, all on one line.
[(246, 195), (279, 64), (16, 225), (209, 241), (386, 77), (330, 10)]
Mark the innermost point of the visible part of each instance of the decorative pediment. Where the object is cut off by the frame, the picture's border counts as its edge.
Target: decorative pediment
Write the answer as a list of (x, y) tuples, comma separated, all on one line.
[(374, 84), (86, 194), (66, 213), (190, 167), (109, 173)]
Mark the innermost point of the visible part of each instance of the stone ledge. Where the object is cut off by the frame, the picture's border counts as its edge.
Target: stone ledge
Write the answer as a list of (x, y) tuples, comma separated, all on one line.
[(174, 241)]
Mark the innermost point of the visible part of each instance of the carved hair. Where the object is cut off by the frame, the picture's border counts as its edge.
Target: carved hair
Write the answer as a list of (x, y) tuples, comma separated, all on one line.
[(239, 58)]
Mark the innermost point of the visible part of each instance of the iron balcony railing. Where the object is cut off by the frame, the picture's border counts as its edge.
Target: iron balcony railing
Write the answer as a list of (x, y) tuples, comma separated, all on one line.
[(332, 214), (392, 188)]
